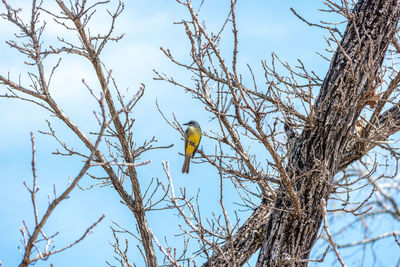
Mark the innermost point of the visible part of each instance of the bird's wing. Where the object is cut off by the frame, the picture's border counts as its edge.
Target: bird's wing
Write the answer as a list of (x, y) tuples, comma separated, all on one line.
[(195, 150)]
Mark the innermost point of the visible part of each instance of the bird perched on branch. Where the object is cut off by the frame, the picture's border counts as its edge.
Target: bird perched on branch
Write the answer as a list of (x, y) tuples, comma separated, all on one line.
[(192, 141)]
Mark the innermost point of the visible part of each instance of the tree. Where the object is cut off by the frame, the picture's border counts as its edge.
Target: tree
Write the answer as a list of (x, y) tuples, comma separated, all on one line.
[(356, 112)]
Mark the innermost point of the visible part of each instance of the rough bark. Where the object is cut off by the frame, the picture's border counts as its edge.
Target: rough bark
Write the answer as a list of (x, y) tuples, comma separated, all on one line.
[(321, 150), (317, 153), (249, 237)]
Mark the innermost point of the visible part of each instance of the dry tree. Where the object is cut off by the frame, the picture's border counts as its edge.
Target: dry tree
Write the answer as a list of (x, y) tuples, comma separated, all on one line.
[(119, 158), (322, 138), (325, 137)]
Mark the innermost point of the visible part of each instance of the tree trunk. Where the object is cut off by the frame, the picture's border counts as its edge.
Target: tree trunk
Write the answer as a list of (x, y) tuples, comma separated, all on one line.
[(249, 237), (320, 151), (316, 155)]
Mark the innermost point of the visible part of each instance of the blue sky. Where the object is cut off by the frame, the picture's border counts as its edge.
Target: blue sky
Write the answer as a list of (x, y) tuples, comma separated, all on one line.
[(264, 27)]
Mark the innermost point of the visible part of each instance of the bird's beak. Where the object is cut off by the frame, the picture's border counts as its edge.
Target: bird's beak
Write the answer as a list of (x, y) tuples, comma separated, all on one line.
[(186, 123)]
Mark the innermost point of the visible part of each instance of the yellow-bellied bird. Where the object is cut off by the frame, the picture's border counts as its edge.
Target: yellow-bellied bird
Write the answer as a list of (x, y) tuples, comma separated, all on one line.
[(192, 141)]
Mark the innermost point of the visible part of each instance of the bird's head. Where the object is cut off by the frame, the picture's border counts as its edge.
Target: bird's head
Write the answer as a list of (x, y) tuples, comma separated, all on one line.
[(193, 124)]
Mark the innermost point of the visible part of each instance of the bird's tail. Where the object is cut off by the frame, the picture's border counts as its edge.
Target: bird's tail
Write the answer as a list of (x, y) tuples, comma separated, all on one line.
[(186, 164)]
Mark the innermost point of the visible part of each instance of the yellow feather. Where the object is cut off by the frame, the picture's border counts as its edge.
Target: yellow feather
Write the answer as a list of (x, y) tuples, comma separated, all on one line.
[(194, 137)]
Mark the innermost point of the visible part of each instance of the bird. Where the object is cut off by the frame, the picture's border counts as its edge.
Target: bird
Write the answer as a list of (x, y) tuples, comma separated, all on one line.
[(192, 141)]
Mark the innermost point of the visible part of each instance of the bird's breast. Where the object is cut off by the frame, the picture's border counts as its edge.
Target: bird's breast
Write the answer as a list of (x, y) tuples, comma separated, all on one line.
[(194, 135)]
